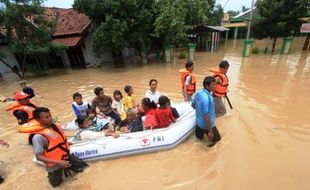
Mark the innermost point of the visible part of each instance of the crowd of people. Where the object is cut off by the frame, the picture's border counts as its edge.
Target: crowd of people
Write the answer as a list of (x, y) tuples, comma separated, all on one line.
[(105, 116)]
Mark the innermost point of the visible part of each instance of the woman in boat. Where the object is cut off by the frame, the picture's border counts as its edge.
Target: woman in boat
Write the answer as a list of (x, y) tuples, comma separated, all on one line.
[(88, 131), (153, 94)]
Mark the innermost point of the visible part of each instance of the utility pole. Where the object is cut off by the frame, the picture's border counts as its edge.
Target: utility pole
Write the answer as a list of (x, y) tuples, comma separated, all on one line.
[(250, 21)]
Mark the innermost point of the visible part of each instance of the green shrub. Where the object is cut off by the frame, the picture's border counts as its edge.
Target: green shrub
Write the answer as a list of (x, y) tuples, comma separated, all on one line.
[(183, 54), (255, 50)]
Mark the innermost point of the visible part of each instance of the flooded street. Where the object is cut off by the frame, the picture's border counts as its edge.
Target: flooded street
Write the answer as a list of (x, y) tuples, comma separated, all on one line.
[(265, 138)]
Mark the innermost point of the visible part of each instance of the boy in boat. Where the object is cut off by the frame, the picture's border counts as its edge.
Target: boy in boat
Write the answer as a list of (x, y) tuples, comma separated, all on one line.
[(79, 107), (203, 103), (132, 123), (90, 131), (163, 115)]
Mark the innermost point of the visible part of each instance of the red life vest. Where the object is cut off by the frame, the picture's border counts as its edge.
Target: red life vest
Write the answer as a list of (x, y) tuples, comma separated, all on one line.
[(191, 88), (26, 108), (58, 148), (220, 90)]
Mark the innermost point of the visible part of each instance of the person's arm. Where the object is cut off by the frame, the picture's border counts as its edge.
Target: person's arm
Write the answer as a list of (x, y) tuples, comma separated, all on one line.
[(207, 119), (187, 82), (76, 111), (61, 163), (218, 80), (193, 102)]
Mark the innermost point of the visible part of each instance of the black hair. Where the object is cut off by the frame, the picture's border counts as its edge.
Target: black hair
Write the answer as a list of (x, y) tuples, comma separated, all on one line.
[(148, 103), (163, 100), (188, 64), (207, 81), (152, 80), (127, 88), (37, 112), (224, 64), (97, 90), (117, 92), (90, 111), (75, 95), (80, 120)]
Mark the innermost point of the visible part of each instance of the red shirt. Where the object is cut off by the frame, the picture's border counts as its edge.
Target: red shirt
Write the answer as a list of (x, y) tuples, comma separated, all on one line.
[(149, 118), (163, 117)]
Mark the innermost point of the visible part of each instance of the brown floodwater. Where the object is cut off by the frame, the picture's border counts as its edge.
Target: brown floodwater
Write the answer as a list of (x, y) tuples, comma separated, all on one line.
[(265, 138)]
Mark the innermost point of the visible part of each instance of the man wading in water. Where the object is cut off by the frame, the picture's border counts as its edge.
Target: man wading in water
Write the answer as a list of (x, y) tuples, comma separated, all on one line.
[(203, 103), (50, 146)]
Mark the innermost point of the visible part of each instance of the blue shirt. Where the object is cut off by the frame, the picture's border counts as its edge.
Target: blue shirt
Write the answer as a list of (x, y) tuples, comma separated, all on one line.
[(204, 105)]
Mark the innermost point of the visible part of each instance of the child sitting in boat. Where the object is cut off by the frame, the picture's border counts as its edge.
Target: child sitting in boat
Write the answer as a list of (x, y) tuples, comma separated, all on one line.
[(79, 107), (133, 123), (118, 104), (129, 101), (174, 111), (88, 131), (163, 115), (101, 122), (148, 110)]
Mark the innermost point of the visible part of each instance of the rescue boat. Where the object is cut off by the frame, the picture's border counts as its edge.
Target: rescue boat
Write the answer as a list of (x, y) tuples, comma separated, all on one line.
[(138, 142)]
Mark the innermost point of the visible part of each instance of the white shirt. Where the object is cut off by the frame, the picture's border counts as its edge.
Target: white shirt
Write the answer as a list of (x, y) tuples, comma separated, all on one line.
[(152, 96)]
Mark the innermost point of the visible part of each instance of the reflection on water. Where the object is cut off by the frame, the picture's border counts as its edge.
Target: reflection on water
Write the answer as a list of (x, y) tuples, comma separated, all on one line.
[(265, 135)]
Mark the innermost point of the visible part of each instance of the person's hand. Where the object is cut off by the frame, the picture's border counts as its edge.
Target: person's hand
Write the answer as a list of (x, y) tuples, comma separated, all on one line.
[(4, 143), (63, 163), (115, 135), (210, 134)]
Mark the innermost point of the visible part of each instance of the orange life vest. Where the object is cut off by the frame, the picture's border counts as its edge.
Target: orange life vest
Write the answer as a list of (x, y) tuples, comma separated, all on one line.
[(191, 88), (26, 108), (30, 127), (220, 90), (58, 148)]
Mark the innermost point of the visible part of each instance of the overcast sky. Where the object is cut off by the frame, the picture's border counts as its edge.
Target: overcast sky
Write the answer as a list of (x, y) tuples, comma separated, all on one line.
[(230, 5)]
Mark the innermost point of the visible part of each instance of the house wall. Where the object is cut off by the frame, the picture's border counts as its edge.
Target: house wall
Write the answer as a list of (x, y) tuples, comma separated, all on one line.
[(89, 55), (10, 57)]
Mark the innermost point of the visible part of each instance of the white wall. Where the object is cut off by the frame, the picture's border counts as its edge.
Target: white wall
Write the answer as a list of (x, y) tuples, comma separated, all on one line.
[(89, 55), (11, 60)]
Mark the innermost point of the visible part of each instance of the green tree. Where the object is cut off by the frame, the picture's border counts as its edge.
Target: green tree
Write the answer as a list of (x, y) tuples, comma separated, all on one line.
[(233, 13), (216, 16), (119, 23), (176, 17), (26, 29), (278, 18)]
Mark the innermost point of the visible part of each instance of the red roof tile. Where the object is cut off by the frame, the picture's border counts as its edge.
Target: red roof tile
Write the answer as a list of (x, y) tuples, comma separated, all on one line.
[(68, 21), (68, 41)]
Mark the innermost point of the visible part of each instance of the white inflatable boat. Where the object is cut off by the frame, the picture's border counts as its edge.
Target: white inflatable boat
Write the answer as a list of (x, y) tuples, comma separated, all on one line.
[(138, 142)]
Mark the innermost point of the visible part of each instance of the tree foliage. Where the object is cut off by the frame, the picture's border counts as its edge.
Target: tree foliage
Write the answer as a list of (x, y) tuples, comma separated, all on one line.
[(278, 18), (26, 29), (176, 17), (119, 23)]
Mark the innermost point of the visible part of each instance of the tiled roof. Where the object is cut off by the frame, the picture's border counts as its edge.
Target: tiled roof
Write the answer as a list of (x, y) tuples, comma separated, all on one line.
[(68, 21), (68, 41)]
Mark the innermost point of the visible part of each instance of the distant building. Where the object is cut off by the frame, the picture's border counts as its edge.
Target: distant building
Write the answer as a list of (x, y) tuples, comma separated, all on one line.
[(238, 24)]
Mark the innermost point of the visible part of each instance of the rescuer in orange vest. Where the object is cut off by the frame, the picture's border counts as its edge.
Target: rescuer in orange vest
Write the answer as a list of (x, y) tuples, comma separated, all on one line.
[(188, 81), (23, 108), (221, 87)]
